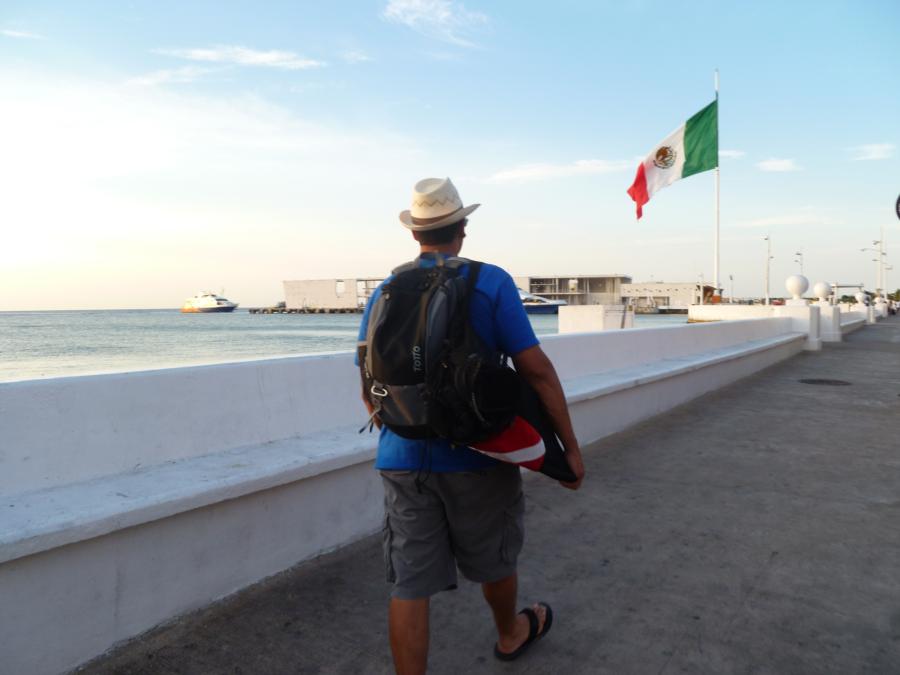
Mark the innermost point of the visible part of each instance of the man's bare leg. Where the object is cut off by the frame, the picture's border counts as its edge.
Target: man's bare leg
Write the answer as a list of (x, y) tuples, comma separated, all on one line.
[(408, 622), (512, 628)]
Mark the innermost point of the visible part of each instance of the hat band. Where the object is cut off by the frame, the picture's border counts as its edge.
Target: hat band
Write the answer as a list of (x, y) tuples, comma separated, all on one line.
[(429, 221)]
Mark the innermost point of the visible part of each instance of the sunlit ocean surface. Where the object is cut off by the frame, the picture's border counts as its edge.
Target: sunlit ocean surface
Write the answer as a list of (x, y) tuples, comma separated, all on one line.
[(53, 344)]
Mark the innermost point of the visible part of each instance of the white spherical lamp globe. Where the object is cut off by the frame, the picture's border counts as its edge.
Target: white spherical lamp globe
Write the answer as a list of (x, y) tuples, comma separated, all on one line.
[(822, 290), (860, 298), (797, 285)]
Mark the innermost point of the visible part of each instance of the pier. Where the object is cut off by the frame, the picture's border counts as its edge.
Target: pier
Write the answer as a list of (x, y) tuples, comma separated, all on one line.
[(305, 310), (739, 513), (752, 530)]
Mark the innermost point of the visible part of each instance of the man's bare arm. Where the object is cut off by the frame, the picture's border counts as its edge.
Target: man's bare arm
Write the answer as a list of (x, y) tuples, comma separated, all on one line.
[(533, 365)]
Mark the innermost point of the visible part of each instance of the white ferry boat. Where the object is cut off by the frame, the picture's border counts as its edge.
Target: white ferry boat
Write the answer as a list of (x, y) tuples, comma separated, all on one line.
[(535, 304), (208, 302)]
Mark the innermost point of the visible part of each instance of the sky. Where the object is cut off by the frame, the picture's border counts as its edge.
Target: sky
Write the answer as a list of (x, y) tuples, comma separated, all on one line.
[(151, 150)]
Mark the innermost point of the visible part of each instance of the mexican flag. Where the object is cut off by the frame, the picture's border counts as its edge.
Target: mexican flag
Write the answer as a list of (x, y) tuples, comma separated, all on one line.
[(691, 148)]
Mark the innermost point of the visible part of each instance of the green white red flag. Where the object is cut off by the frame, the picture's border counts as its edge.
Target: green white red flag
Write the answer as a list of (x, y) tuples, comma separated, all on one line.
[(691, 148)]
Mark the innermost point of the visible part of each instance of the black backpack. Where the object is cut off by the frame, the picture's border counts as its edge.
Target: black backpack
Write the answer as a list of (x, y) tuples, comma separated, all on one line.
[(424, 369)]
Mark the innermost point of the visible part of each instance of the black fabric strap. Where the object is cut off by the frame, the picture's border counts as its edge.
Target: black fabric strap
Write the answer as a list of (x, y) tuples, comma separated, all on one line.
[(474, 270), (464, 331), (411, 265), (441, 260)]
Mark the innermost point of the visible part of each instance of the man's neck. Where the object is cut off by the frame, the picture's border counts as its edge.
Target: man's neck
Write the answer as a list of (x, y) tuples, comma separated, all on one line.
[(449, 250)]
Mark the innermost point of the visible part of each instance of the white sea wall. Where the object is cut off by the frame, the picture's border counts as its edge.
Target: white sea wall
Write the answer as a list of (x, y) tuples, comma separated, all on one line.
[(130, 499), (577, 354), (729, 312), (804, 317), (70, 429)]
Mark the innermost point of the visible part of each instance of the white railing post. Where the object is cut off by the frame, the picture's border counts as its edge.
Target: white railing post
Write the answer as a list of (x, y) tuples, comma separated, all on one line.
[(805, 318), (829, 315)]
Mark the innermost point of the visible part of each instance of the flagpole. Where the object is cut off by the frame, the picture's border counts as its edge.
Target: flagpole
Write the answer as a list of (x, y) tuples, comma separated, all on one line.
[(716, 264)]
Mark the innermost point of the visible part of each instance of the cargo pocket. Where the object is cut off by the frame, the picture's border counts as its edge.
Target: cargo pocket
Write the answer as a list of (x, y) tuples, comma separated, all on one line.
[(513, 530), (387, 541)]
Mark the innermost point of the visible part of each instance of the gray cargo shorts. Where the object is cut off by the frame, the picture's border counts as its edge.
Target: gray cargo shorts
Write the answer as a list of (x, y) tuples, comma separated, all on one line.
[(470, 519)]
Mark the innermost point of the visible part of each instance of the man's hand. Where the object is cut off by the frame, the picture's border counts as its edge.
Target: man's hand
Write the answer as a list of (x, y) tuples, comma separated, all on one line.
[(533, 365), (573, 457)]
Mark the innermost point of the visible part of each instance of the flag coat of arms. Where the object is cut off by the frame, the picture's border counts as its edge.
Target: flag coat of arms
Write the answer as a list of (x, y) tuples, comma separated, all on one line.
[(691, 148)]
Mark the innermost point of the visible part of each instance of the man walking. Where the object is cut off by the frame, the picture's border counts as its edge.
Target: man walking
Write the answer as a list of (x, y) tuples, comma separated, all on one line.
[(450, 507)]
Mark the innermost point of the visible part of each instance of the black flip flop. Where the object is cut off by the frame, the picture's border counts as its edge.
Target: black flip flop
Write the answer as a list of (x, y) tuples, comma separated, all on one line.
[(533, 634)]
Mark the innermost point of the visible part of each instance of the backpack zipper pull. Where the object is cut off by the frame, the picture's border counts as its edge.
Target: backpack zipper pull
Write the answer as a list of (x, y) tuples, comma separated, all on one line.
[(369, 422)]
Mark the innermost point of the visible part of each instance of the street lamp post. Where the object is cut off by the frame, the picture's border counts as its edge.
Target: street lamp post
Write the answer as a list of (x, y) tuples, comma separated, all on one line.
[(879, 270), (768, 239), (879, 263), (731, 292)]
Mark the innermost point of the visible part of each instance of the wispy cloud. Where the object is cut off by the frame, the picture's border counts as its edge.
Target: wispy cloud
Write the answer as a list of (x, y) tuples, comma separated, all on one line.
[(732, 154), (534, 172), (182, 75), (20, 34), (355, 56), (873, 151), (777, 165), (244, 56), (445, 20)]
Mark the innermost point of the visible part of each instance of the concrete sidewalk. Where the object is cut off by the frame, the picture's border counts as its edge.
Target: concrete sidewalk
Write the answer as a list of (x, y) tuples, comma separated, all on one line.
[(755, 530)]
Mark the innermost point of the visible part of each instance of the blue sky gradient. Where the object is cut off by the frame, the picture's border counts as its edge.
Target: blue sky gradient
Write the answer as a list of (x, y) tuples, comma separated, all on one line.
[(154, 149)]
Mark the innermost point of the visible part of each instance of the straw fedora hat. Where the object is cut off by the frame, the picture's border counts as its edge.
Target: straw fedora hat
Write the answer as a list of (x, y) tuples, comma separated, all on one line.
[(435, 203)]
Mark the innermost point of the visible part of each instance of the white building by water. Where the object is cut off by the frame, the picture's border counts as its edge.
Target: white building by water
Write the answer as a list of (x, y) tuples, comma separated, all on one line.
[(664, 296), (328, 293), (353, 293), (598, 289)]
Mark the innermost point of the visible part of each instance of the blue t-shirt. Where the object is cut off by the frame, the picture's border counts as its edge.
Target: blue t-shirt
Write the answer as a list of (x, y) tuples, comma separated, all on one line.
[(499, 319)]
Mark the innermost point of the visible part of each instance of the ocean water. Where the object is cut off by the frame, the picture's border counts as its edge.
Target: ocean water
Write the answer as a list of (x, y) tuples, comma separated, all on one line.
[(54, 344)]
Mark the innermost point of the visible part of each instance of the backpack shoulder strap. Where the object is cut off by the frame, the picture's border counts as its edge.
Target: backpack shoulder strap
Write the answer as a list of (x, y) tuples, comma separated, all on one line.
[(405, 267), (462, 322), (474, 271), (455, 262), (451, 262)]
